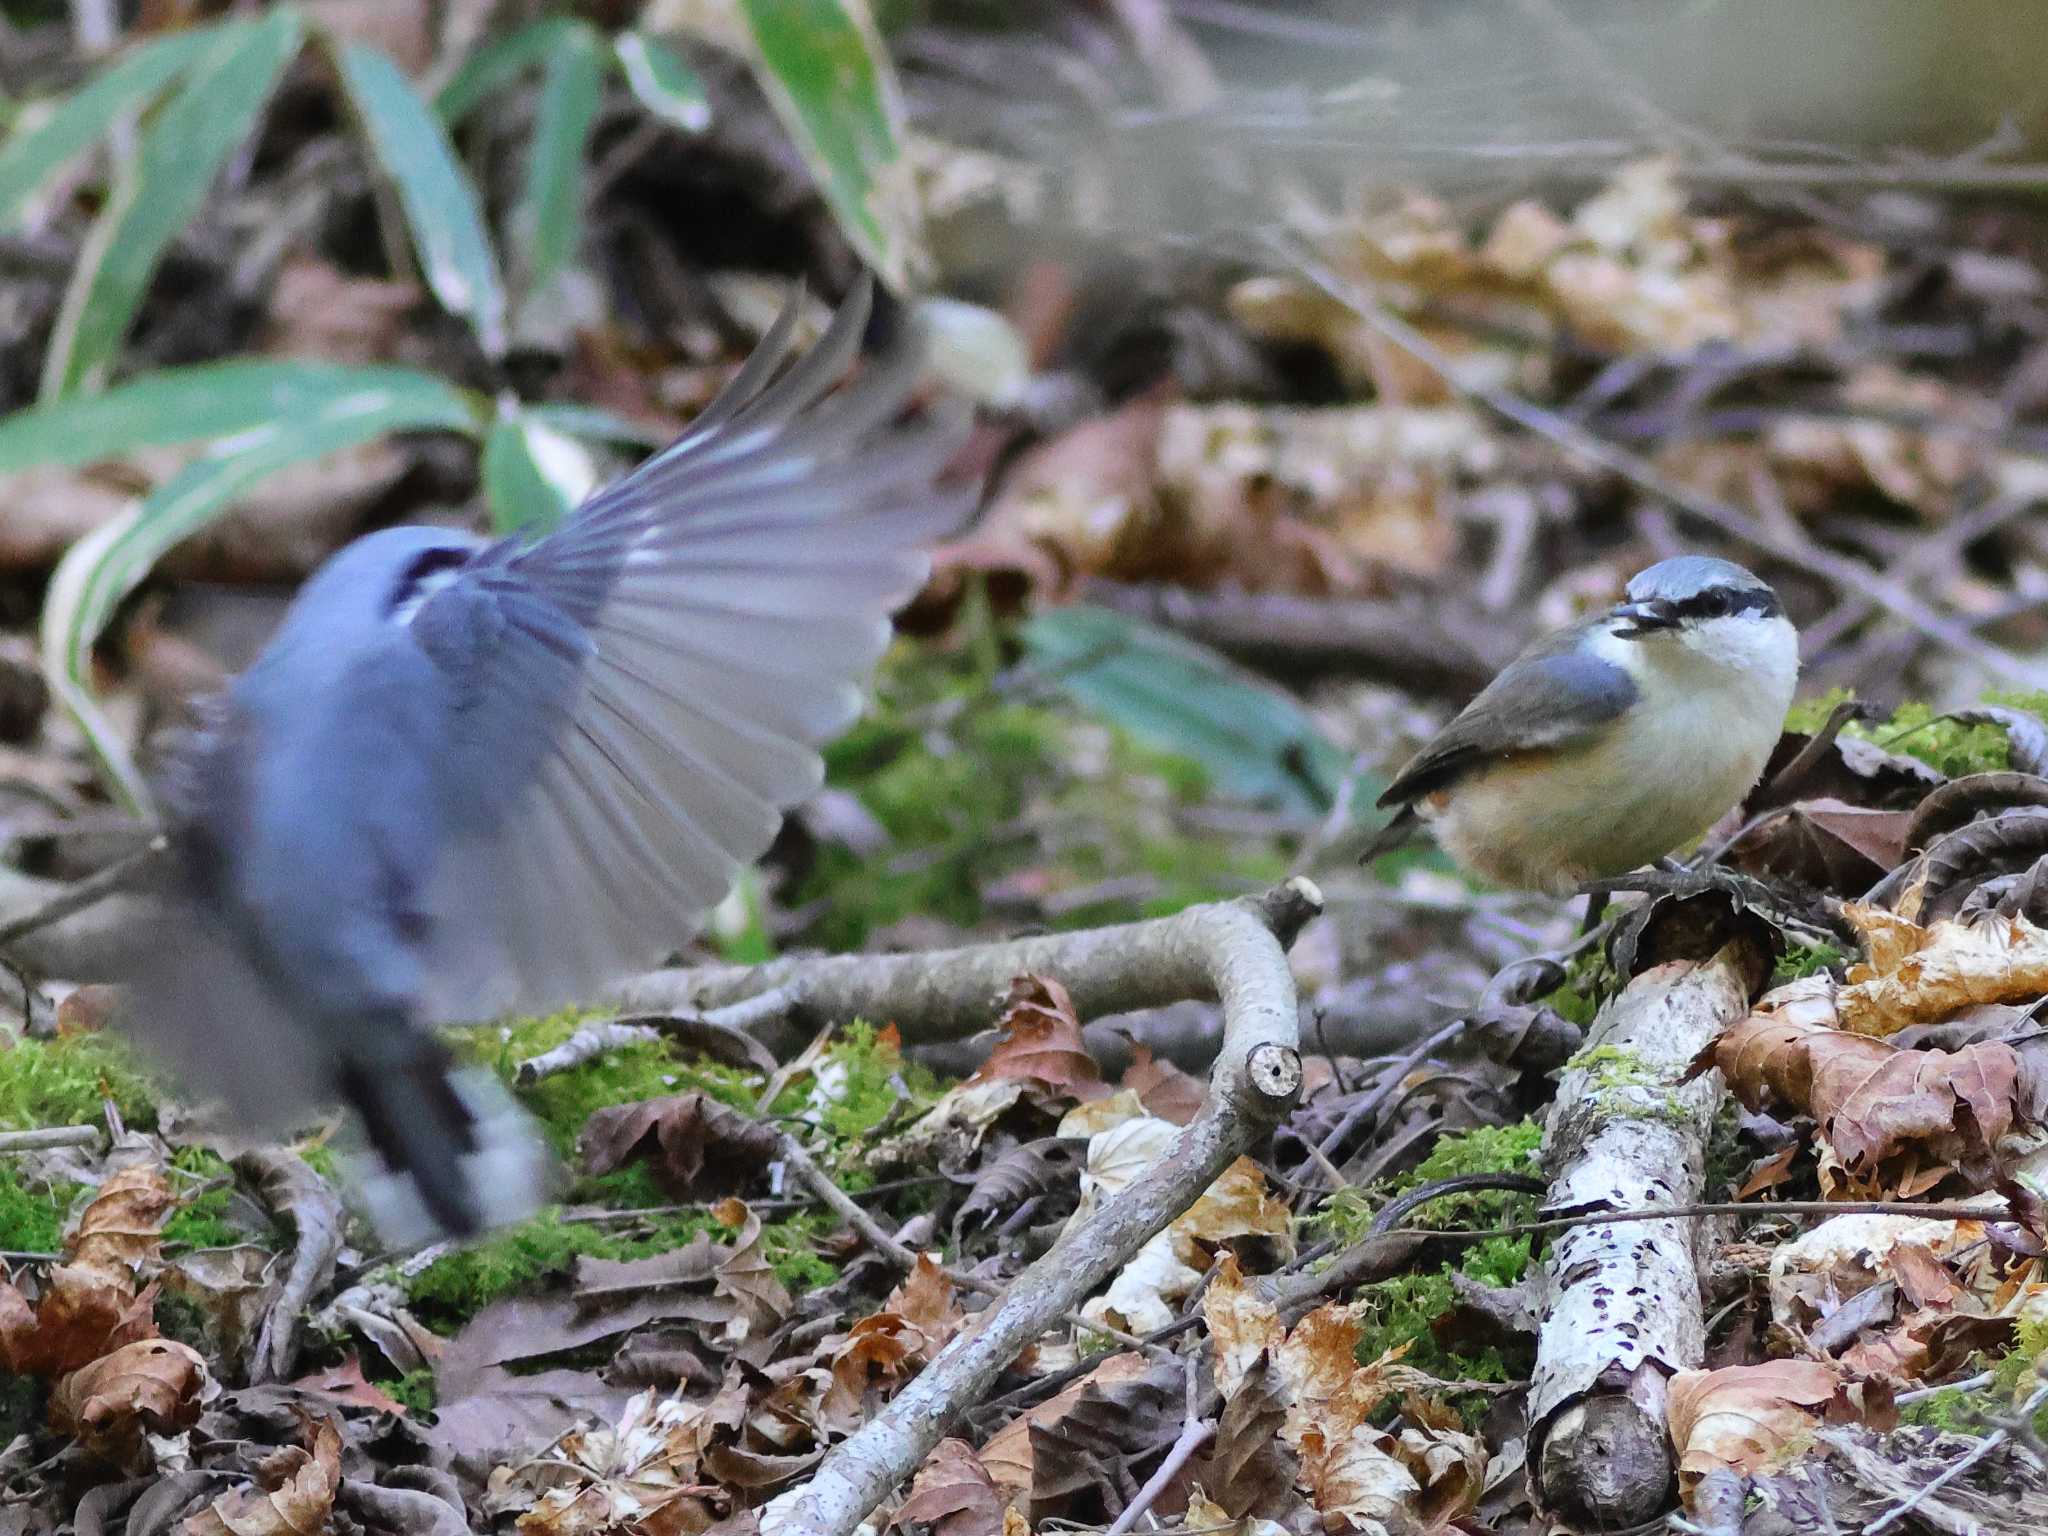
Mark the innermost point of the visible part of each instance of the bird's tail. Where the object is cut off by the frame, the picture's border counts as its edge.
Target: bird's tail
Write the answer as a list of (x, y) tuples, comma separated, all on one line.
[(449, 1153)]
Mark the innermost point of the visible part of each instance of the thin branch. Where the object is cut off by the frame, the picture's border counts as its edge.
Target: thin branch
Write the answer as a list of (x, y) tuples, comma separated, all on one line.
[(1954, 1210), (81, 894)]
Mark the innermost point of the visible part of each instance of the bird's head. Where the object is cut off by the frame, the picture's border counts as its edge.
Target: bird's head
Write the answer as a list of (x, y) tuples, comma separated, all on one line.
[(1696, 609)]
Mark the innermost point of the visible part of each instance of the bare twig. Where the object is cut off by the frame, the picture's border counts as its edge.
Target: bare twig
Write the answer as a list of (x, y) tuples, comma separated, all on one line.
[(586, 1045), (1234, 950), (81, 894), (870, 1231), (49, 1136), (1196, 1431), (294, 1190)]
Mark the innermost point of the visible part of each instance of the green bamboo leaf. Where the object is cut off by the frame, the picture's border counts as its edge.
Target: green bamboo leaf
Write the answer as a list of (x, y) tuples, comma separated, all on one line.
[(597, 424), (662, 82), (532, 474), (548, 221), (181, 152), (103, 568), (208, 400), (1254, 740), (823, 66), (498, 63), (441, 204), (50, 135)]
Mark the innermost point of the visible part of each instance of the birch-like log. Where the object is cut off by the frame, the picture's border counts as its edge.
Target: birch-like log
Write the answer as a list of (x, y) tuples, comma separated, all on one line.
[(1234, 951), (1621, 1303)]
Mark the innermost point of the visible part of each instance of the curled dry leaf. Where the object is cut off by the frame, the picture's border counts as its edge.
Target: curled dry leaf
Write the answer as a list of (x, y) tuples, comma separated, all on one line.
[(293, 1494), (1009, 1455), (639, 1475), (696, 1147), (953, 1494), (1921, 975), (122, 1229), (1747, 1417), (882, 1351), (1428, 1473), (1171, 1264), (1038, 1044), (92, 1303), (1874, 1102), (151, 1387)]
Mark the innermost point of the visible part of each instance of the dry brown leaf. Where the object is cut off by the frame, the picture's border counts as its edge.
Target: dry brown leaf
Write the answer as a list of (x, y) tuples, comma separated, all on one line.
[(637, 1476), (696, 1147), (347, 1383), (1171, 1263), (81, 1315), (293, 1495), (745, 1277), (122, 1228), (1746, 1417), (953, 1494), (151, 1387), (1008, 1454), (1038, 1044), (1877, 1106), (1163, 1088), (1921, 975), (1426, 1471)]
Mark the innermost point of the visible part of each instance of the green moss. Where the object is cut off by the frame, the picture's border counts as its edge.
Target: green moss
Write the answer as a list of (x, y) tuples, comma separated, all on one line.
[(32, 1214), (527, 1258), (1805, 958), (414, 1391), (69, 1081), (1404, 1310), (565, 1101), (869, 1068), (975, 782), (1916, 730), (201, 1221)]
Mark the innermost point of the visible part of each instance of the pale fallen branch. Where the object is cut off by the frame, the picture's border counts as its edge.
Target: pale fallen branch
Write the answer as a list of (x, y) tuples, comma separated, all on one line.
[(47, 1137), (944, 994), (1621, 1304), (1235, 951)]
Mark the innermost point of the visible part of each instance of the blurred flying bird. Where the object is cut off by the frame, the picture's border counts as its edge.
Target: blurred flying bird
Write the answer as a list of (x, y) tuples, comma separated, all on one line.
[(467, 777)]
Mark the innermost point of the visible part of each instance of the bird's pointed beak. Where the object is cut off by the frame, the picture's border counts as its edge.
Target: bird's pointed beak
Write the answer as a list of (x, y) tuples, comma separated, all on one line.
[(1645, 617)]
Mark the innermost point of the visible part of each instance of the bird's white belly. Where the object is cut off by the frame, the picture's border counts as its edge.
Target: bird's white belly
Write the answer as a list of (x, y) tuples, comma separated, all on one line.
[(1553, 820)]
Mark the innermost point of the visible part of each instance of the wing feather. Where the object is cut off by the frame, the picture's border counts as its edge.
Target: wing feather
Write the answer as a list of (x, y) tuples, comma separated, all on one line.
[(678, 650), (1556, 693)]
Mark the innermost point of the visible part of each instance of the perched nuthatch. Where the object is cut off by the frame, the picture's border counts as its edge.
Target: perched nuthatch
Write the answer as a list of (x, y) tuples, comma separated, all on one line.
[(1613, 742), (468, 776)]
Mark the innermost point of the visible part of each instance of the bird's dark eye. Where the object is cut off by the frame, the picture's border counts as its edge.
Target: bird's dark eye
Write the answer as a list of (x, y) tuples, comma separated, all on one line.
[(424, 565)]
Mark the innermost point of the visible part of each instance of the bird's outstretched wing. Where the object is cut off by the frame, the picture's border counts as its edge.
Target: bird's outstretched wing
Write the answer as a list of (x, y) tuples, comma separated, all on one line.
[(641, 694), (1553, 694)]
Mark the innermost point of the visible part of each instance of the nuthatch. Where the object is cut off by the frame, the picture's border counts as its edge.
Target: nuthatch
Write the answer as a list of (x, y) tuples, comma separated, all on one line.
[(1613, 742), (467, 777)]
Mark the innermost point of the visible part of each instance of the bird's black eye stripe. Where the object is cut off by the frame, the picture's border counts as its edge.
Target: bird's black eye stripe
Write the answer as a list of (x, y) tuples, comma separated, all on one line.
[(423, 565), (1722, 602)]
